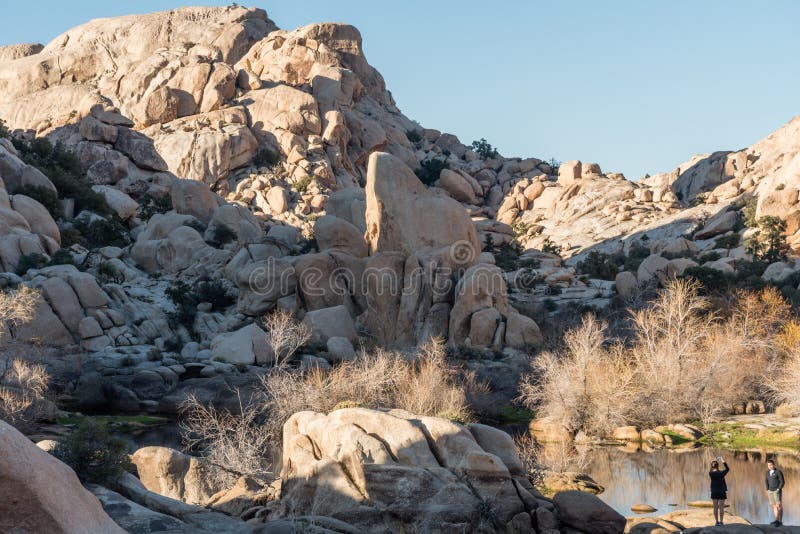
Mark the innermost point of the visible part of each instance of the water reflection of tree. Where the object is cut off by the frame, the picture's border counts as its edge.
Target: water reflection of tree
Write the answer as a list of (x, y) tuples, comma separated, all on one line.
[(669, 477)]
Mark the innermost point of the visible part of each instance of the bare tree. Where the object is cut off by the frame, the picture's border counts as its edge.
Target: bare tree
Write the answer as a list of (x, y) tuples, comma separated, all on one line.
[(16, 307), (284, 335), (528, 451), (23, 386), (683, 362), (236, 442)]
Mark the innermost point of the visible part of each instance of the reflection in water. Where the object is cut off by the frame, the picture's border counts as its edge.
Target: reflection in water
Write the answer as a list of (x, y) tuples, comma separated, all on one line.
[(674, 477)]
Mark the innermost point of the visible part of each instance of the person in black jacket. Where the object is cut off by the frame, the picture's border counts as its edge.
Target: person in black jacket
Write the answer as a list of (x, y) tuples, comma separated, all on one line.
[(719, 489), (775, 482)]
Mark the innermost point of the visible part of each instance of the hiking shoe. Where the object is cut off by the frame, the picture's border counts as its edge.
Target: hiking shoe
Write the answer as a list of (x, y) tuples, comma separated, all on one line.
[(775, 524)]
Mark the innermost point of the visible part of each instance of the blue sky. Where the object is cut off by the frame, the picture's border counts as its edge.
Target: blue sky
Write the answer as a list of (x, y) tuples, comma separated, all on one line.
[(636, 86)]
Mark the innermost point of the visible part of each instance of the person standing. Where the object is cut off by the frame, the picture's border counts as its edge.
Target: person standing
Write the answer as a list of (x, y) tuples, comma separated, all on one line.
[(719, 489), (775, 484)]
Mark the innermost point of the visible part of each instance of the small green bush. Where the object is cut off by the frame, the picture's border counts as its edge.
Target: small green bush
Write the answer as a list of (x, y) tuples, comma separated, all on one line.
[(710, 279), (636, 255), (185, 298), (302, 185), (107, 273), (598, 265), (768, 243), (484, 149), (185, 305), (413, 136), (150, 205), (507, 256), (109, 232), (430, 170), (213, 292), (30, 261), (94, 455), (711, 255), (266, 157), (63, 169), (62, 257), (728, 241), (551, 248), (222, 235), (749, 213)]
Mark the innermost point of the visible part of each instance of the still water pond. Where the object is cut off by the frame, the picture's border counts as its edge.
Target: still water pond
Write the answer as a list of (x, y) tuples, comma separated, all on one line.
[(669, 479)]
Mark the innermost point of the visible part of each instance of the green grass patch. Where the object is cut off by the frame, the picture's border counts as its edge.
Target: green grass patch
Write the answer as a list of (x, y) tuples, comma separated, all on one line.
[(509, 415), (738, 438), (677, 439), (114, 421)]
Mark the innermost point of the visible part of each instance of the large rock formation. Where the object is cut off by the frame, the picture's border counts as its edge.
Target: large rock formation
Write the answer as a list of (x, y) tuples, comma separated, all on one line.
[(404, 216), (40, 494), (428, 473)]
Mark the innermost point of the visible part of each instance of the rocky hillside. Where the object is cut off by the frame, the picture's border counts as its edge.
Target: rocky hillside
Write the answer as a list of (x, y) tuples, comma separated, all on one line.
[(169, 178), (169, 182)]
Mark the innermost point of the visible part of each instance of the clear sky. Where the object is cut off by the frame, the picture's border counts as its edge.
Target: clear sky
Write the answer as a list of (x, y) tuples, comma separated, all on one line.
[(636, 86)]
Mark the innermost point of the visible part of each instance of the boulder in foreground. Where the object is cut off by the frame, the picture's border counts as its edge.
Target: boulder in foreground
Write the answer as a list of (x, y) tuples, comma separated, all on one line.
[(38, 493)]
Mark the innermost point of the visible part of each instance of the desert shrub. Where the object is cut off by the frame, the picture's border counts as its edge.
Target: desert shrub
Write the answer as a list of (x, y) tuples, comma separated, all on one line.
[(768, 243), (302, 185), (62, 257), (413, 136), (711, 255), (150, 205), (4, 133), (728, 241), (27, 262), (554, 165), (107, 273), (285, 335), (710, 279), (636, 255), (426, 385), (17, 306), (573, 384), (108, 232), (234, 441), (63, 169), (430, 170), (222, 235), (266, 157), (215, 293), (185, 301), (507, 256), (484, 149), (550, 247), (46, 197), (598, 265), (186, 298), (23, 386), (749, 213), (94, 455)]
